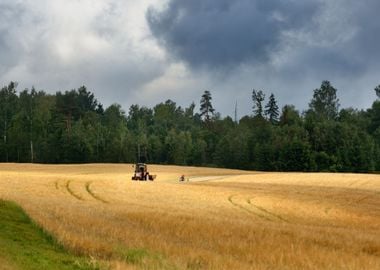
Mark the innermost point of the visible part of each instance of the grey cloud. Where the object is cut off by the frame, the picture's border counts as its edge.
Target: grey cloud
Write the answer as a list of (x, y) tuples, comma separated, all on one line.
[(320, 37), (342, 43), (9, 15), (40, 47), (217, 33), (103, 24), (285, 47), (366, 43)]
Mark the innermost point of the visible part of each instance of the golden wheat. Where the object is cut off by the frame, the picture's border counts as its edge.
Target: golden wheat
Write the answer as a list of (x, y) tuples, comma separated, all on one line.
[(219, 219)]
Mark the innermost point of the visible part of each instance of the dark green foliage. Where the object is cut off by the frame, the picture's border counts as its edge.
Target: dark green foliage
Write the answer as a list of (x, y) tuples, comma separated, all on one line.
[(72, 127), (290, 116), (374, 117), (8, 109), (295, 156), (232, 150)]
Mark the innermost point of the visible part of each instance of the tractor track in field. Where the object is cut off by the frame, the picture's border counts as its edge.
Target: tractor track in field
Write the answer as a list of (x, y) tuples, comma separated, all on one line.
[(230, 199), (92, 194), (71, 192), (249, 201), (60, 187), (258, 211)]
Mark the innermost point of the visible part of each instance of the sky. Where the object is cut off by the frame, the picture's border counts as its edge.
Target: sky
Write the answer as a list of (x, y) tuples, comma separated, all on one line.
[(147, 51)]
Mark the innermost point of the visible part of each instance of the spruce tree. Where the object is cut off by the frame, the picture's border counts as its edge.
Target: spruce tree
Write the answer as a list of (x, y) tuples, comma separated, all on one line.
[(271, 110)]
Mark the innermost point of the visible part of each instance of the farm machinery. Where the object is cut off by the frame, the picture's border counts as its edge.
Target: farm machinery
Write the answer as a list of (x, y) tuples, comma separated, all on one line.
[(141, 173), (141, 169)]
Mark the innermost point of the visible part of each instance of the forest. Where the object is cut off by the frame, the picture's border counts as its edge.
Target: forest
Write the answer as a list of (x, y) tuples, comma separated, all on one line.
[(74, 127)]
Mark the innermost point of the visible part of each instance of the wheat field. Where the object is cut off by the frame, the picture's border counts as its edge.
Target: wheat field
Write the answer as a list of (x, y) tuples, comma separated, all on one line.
[(218, 219)]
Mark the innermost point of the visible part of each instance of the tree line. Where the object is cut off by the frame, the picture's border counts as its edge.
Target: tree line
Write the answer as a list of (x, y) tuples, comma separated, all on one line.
[(73, 127)]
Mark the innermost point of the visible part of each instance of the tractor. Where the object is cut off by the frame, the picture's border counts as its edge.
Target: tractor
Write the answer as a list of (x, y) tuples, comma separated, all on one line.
[(141, 173)]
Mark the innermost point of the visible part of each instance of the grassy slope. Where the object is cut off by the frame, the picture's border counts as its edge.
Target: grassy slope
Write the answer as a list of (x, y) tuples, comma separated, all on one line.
[(23, 245)]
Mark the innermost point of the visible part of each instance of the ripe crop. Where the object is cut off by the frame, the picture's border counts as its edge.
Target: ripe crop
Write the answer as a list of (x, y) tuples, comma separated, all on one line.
[(219, 219)]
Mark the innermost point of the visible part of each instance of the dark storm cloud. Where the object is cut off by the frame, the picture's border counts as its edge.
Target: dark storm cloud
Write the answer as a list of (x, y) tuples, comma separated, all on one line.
[(216, 33), (343, 44), (288, 47), (324, 36), (365, 45)]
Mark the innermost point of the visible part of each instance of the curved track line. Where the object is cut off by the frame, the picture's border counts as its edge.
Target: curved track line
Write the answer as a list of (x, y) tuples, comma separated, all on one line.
[(230, 199), (96, 197), (72, 192), (60, 187), (249, 201)]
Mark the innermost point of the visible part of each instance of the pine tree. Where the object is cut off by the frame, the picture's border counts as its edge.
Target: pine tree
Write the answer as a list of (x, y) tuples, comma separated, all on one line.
[(258, 98), (271, 110), (207, 111)]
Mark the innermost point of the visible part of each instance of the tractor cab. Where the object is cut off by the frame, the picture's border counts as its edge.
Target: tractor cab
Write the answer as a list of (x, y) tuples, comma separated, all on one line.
[(141, 173)]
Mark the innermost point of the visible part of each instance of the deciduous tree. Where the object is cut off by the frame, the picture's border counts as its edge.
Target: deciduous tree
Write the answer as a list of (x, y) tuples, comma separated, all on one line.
[(258, 98), (325, 104)]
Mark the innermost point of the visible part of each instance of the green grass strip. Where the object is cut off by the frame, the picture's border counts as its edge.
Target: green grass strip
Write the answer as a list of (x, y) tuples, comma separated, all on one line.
[(26, 246)]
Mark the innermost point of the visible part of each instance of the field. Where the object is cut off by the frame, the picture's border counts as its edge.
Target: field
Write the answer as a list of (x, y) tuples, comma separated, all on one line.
[(219, 219)]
